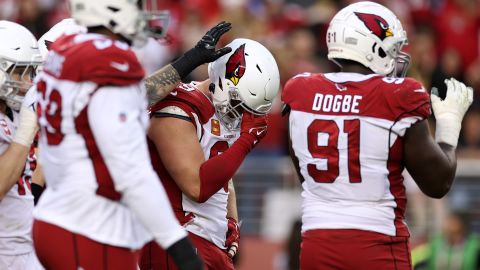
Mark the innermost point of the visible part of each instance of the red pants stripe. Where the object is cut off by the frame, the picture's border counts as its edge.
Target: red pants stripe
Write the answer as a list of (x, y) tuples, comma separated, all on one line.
[(59, 249), (353, 249), (155, 258)]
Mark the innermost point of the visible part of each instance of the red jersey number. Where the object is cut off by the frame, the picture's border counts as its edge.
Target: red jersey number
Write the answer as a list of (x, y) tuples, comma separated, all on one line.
[(330, 151), (218, 148), (21, 183), (52, 113), (25, 179)]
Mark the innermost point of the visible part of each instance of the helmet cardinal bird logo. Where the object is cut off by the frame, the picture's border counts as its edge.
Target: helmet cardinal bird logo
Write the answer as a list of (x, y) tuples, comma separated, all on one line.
[(236, 64), (376, 24)]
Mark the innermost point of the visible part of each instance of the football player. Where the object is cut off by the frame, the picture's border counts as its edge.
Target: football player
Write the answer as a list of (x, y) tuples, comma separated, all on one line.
[(199, 135), (352, 134), (96, 212), (64, 27), (19, 58)]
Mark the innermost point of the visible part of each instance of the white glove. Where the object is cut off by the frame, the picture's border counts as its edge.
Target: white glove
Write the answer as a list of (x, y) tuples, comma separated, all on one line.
[(450, 111), (27, 127)]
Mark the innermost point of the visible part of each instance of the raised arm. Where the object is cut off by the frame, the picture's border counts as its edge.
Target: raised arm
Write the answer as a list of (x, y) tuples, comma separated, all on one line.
[(12, 161), (162, 82), (432, 164), (177, 144)]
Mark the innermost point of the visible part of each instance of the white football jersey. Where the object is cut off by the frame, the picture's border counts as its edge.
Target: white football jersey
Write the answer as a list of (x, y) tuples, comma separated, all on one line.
[(347, 135), (208, 219), (93, 119), (17, 206)]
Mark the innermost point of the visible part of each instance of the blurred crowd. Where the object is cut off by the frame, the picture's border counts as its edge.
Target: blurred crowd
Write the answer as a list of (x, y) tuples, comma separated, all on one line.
[(444, 41)]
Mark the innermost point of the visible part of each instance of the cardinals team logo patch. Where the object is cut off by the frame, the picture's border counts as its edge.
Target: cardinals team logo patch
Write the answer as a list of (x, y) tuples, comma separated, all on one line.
[(215, 127), (376, 24), (236, 64)]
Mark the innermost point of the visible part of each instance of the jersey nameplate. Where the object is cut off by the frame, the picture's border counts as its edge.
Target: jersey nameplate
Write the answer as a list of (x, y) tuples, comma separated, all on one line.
[(336, 103)]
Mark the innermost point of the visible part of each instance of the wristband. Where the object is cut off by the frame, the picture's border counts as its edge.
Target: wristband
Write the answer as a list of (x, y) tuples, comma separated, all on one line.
[(27, 128), (448, 129)]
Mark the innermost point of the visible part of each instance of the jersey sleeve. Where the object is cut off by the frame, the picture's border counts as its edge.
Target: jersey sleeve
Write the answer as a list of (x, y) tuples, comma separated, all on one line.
[(101, 61), (114, 116), (292, 93), (114, 66), (411, 100), (194, 103), (409, 103)]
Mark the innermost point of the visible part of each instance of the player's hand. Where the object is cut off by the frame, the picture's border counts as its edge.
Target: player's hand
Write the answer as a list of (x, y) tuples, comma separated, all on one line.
[(204, 51), (450, 111), (27, 127), (233, 237), (205, 48), (254, 127)]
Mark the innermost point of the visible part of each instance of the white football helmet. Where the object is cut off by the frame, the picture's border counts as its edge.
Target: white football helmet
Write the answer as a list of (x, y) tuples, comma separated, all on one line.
[(245, 79), (368, 33), (133, 19), (19, 58), (64, 27)]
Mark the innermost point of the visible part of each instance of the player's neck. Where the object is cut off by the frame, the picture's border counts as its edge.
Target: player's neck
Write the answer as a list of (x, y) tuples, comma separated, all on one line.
[(203, 87), (357, 69), (106, 32)]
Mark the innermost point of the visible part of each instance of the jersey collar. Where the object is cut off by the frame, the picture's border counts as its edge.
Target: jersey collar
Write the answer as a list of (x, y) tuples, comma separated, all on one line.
[(343, 77)]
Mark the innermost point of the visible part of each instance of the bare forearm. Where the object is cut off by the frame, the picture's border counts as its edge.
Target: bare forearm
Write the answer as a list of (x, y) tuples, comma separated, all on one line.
[(432, 165), (449, 165), (161, 83), (38, 177), (232, 202), (12, 164), (437, 177)]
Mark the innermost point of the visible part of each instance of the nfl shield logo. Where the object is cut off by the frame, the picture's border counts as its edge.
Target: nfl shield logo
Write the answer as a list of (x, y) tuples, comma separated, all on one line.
[(123, 117), (215, 127)]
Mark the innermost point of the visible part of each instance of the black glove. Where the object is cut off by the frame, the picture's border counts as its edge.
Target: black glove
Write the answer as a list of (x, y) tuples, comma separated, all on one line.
[(204, 51), (185, 256), (37, 191)]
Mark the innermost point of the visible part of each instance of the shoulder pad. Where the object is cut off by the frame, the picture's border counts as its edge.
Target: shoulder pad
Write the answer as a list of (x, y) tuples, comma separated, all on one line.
[(407, 97), (189, 99), (103, 61), (300, 88)]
